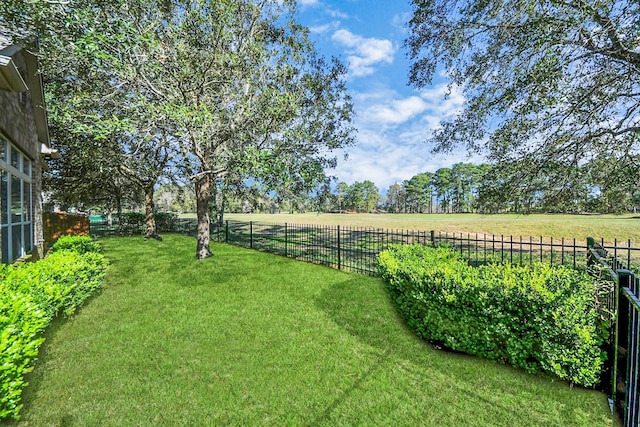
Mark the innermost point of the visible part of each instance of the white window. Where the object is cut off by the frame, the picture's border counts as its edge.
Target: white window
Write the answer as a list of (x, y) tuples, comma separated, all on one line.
[(16, 208)]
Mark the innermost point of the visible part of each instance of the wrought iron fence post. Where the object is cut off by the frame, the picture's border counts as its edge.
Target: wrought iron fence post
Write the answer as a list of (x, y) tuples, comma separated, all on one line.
[(339, 254), (286, 240), (615, 327), (251, 234), (590, 244), (226, 232), (628, 321)]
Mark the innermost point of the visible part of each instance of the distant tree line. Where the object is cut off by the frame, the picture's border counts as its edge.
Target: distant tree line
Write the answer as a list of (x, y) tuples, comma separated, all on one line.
[(595, 187)]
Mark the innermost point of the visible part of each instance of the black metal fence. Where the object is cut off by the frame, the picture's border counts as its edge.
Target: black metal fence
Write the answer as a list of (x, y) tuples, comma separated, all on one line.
[(356, 248), (103, 228), (625, 349)]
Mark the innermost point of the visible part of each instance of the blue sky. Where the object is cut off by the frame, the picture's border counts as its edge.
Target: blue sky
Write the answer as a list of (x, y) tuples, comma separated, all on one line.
[(393, 119)]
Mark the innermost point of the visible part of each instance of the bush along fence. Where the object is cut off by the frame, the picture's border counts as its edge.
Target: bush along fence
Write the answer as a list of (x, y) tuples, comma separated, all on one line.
[(537, 317), (624, 304), (357, 249)]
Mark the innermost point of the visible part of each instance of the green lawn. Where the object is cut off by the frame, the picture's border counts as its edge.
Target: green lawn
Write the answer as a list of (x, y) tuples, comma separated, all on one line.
[(249, 338), (609, 227)]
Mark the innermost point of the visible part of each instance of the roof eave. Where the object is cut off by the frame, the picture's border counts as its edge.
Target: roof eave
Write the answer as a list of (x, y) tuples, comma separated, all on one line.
[(10, 77)]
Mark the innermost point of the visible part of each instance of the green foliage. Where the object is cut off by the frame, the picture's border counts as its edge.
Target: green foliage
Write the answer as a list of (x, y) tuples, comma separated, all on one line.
[(133, 222), (538, 317), (541, 83), (164, 220), (80, 244), (31, 295), (21, 322)]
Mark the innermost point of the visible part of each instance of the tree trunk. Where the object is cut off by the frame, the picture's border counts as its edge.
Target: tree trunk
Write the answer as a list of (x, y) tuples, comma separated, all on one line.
[(203, 196), (150, 218)]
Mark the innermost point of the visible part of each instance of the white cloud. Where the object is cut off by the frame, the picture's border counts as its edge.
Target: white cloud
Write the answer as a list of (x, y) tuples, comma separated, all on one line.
[(364, 53), (308, 2), (334, 13), (385, 108), (399, 111), (391, 132), (321, 29), (400, 21)]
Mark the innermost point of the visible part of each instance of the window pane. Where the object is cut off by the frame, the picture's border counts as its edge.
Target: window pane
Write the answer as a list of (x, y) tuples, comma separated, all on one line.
[(3, 150), (15, 158), (28, 214), (16, 202), (16, 242), (26, 166), (4, 198), (5, 245), (27, 233)]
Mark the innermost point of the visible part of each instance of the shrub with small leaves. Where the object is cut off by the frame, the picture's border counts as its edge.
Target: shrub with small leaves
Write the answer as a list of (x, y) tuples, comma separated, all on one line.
[(80, 244), (536, 317), (31, 295)]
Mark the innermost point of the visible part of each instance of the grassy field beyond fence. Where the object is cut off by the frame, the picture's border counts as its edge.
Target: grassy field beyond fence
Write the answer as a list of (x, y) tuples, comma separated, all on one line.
[(608, 227), (250, 338)]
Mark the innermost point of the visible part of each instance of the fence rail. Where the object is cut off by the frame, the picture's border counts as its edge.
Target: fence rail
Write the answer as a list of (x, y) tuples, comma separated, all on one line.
[(356, 248)]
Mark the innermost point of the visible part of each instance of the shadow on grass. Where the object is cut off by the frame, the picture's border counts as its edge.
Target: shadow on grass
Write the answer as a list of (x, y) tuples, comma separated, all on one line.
[(356, 307)]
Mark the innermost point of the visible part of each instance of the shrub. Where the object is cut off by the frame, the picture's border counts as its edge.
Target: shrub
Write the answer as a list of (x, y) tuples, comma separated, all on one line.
[(31, 295), (131, 222), (134, 222), (80, 244), (165, 220), (21, 322), (536, 317)]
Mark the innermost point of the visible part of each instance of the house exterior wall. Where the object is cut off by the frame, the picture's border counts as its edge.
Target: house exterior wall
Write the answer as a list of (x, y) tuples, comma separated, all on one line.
[(17, 119), (19, 134)]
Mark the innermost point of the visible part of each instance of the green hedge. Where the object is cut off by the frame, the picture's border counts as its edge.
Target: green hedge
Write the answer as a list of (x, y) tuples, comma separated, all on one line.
[(134, 222), (537, 317), (80, 244), (31, 295)]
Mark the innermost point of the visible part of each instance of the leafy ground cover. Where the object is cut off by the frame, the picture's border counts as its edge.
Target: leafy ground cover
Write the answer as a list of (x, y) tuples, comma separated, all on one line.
[(32, 294), (249, 338), (609, 227)]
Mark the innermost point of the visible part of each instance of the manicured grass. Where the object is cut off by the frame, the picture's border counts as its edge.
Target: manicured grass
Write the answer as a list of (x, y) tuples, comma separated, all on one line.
[(609, 227), (249, 338)]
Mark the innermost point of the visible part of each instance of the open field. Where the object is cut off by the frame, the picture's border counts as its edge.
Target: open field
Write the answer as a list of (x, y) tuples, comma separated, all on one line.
[(250, 338), (609, 227)]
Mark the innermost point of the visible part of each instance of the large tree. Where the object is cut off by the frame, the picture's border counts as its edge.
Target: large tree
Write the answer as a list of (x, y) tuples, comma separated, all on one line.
[(248, 94), (110, 130), (547, 83), (237, 85)]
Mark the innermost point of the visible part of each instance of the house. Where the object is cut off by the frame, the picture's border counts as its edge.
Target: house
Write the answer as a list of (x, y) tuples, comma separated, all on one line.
[(24, 140)]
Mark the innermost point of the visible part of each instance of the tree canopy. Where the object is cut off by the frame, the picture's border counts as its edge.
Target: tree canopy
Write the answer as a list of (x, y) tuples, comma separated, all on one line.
[(223, 92), (549, 85)]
